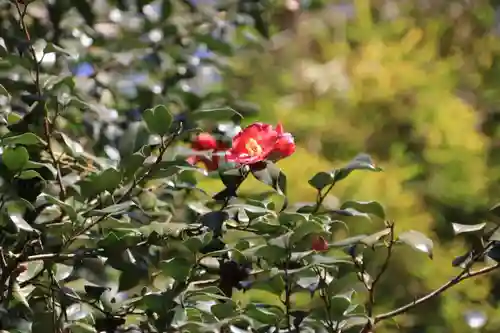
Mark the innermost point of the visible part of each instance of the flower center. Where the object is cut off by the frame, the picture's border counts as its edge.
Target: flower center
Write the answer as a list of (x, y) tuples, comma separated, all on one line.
[(253, 148)]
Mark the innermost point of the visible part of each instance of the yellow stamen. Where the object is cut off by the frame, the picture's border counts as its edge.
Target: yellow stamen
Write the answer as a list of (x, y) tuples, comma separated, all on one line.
[(253, 148)]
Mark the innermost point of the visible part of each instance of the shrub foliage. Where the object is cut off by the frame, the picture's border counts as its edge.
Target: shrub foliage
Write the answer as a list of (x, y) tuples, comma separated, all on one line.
[(103, 225)]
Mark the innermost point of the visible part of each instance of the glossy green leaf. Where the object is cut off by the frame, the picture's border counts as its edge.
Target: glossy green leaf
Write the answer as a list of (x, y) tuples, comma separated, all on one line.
[(219, 114), (73, 147), (113, 209), (418, 241), (53, 48), (15, 158), (360, 162), (26, 139), (20, 223), (177, 268), (4, 92), (29, 174), (321, 180), (368, 207), (158, 120), (374, 238), (467, 228)]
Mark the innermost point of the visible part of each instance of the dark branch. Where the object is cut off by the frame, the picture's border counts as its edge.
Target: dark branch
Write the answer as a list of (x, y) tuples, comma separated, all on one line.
[(459, 278)]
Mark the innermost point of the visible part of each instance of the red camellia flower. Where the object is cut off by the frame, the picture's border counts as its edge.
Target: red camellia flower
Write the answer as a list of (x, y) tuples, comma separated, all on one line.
[(259, 142), (205, 141), (319, 244)]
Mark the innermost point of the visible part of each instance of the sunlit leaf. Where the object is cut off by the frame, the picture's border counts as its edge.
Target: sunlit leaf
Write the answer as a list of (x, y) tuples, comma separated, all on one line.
[(418, 241)]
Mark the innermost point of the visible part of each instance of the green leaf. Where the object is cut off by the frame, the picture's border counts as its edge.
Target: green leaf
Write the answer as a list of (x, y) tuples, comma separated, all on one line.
[(78, 311), (96, 183), (271, 253), (136, 136), (108, 180), (130, 278), (282, 241), (179, 317), (68, 209), (354, 321), (264, 314), (95, 292), (219, 114), (493, 253), (29, 174), (113, 209), (467, 228), (20, 223), (167, 169), (340, 303), (62, 271), (271, 175), (223, 310), (74, 148), (360, 162), (418, 241), (33, 268), (307, 282), (43, 321), (319, 259), (4, 92), (15, 158), (350, 212), (215, 44), (86, 11), (176, 268), (250, 209), (54, 82), (158, 120), (214, 221), (349, 241), (368, 207), (53, 48), (374, 238), (305, 229), (80, 327), (321, 180), (166, 9), (129, 165), (25, 139)]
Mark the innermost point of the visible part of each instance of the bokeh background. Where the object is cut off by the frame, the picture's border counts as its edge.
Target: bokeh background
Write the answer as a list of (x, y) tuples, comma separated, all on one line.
[(414, 83)]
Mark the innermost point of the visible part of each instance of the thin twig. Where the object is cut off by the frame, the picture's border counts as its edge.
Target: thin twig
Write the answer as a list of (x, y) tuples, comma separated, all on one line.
[(46, 126), (288, 292), (385, 265), (321, 197), (463, 275), (326, 301), (459, 278), (51, 256)]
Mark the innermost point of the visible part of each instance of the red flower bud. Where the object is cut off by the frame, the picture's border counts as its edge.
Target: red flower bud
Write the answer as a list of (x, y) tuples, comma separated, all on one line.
[(319, 244), (205, 141)]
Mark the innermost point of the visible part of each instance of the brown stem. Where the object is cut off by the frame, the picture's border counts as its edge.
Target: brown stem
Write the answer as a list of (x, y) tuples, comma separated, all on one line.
[(46, 122), (459, 278), (321, 197), (385, 265)]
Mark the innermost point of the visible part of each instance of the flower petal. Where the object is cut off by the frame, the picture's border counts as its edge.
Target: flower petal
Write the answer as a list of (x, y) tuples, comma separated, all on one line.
[(279, 129), (204, 141)]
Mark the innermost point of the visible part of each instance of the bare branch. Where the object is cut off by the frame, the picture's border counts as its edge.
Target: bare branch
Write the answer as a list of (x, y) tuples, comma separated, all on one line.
[(459, 278)]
